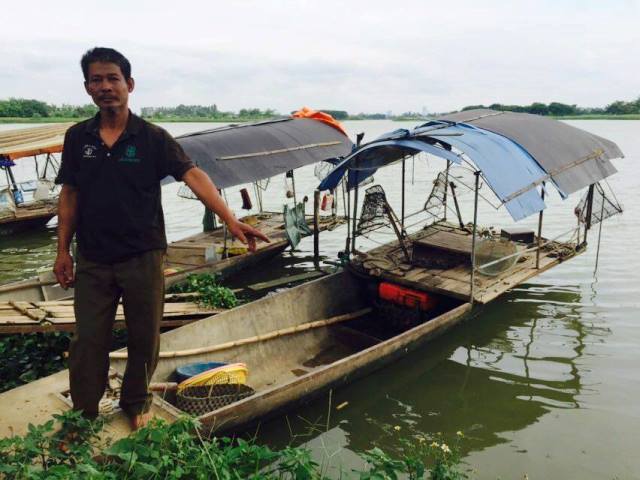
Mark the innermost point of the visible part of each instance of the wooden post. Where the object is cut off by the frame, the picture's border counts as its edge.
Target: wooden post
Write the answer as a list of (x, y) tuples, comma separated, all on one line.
[(355, 214), (587, 223), (348, 196), (473, 239), (599, 234), (316, 227), (293, 186), (403, 193), (540, 230), (455, 202), (446, 189)]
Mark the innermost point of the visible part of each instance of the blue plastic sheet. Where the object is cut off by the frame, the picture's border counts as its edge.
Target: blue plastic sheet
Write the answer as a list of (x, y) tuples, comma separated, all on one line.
[(505, 165)]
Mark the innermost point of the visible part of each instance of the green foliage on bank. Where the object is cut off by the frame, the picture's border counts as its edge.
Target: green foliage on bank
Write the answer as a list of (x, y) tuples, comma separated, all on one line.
[(24, 358), (28, 357), (36, 109), (209, 113), (71, 447), (557, 109)]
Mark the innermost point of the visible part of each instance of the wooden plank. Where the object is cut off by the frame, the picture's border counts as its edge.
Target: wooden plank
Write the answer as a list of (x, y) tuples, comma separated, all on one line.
[(285, 280), (455, 242)]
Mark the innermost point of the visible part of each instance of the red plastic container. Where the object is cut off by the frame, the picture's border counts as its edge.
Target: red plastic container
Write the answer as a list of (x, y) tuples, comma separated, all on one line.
[(406, 297)]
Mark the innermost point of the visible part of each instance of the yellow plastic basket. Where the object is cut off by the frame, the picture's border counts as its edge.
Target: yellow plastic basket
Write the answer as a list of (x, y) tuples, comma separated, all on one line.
[(234, 373)]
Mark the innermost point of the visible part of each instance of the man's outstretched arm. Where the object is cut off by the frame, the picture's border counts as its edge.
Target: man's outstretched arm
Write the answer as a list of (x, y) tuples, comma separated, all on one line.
[(200, 184), (67, 217)]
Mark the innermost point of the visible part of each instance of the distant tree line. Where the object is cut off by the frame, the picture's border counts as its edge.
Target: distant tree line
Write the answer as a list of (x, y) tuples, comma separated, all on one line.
[(29, 108), (205, 112), (562, 109)]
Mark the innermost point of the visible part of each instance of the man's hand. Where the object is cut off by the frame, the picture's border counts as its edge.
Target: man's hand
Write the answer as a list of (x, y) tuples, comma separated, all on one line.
[(246, 234), (63, 269)]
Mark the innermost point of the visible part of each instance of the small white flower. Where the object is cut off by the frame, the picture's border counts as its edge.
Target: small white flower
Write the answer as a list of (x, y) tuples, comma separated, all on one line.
[(459, 433), (435, 444), (397, 428), (445, 448)]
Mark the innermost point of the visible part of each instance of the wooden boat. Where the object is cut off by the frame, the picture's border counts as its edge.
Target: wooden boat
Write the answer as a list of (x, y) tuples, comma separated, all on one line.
[(330, 331), (27, 205), (295, 344)]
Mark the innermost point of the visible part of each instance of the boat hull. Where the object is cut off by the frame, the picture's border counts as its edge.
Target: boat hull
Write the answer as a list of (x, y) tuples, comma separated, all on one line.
[(272, 364)]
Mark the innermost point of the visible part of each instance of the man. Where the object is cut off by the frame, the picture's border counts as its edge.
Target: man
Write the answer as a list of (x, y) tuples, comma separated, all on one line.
[(111, 169)]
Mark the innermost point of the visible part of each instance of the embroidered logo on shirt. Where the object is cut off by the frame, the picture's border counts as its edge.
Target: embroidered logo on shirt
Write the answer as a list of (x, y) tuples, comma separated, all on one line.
[(130, 155), (89, 151)]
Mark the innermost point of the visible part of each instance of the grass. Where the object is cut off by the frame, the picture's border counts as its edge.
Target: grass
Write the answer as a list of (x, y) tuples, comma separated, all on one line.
[(71, 447)]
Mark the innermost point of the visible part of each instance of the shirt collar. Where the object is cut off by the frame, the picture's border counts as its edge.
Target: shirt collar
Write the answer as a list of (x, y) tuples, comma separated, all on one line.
[(134, 124)]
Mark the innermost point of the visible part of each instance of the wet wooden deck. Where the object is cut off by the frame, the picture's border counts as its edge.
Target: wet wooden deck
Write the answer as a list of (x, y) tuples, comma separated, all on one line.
[(32, 317), (450, 275), (203, 252)]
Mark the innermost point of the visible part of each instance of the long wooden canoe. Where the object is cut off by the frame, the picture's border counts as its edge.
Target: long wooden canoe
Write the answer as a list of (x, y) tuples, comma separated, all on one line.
[(295, 344)]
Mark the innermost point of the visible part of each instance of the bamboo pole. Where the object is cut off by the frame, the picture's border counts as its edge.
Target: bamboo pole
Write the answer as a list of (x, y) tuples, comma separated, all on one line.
[(403, 194), (595, 270), (258, 338), (446, 189), (316, 227), (473, 239), (540, 230)]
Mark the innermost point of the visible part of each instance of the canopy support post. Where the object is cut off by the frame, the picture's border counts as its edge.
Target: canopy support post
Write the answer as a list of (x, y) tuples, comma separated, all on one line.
[(355, 213), (455, 202), (446, 189), (587, 223), (316, 227), (595, 270), (12, 179), (403, 194), (293, 187), (539, 231), (473, 238), (258, 193), (348, 215)]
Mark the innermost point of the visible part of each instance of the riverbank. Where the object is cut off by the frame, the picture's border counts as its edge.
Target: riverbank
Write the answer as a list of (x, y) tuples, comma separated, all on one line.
[(633, 116)]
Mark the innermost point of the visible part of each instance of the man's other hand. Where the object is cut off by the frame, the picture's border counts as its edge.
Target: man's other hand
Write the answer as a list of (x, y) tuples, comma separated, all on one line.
[(247, 234), (63, 269)]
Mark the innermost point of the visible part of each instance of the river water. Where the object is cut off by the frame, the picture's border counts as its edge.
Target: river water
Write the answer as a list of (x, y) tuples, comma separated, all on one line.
[(543, 381)]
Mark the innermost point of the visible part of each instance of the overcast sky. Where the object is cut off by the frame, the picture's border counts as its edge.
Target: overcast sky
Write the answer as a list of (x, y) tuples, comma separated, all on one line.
[(359, 56)]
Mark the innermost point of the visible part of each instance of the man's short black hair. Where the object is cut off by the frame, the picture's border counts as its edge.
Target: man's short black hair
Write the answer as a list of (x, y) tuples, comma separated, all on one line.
[(105, 55)]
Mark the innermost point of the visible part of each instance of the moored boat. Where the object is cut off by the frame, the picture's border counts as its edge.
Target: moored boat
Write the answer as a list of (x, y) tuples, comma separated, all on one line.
[(29, 203)]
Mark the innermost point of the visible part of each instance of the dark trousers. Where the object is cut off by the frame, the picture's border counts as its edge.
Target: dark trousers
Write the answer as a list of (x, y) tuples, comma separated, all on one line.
[(139, 281)]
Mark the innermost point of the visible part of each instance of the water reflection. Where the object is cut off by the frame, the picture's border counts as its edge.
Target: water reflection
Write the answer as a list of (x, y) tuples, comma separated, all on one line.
[(516, 360), (23, 254)]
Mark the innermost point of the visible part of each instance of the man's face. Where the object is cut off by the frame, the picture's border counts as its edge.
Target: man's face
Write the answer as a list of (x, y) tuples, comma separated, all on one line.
[(107, 86)]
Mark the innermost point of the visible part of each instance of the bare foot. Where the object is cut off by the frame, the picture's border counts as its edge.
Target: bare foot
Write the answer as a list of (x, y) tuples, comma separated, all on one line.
[(139, 421)]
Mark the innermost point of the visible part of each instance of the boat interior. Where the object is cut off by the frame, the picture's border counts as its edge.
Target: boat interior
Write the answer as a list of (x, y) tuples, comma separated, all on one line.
[(292, 335)]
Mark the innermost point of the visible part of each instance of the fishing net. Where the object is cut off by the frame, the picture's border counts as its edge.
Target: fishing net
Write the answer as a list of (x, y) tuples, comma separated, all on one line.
[(604, 205), (374, 211), (434, 206), (322, 169), (490, 250)]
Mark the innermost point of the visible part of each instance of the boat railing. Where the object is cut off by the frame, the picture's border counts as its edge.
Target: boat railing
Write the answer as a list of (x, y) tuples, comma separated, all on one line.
[(572, 231)]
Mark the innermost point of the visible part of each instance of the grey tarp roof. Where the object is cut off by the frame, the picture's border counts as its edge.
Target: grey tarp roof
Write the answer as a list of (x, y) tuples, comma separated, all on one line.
[(572, 157), (245, 153)]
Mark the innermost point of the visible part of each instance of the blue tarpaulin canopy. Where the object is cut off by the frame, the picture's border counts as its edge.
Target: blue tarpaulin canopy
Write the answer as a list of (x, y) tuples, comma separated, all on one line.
[(508, 168)]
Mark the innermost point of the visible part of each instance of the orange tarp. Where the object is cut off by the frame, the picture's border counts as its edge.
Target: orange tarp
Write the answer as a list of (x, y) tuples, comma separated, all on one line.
[(306, 112), (26, 142)]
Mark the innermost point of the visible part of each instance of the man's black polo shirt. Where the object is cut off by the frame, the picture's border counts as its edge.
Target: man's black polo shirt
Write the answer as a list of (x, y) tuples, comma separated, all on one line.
[(119, 206)]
